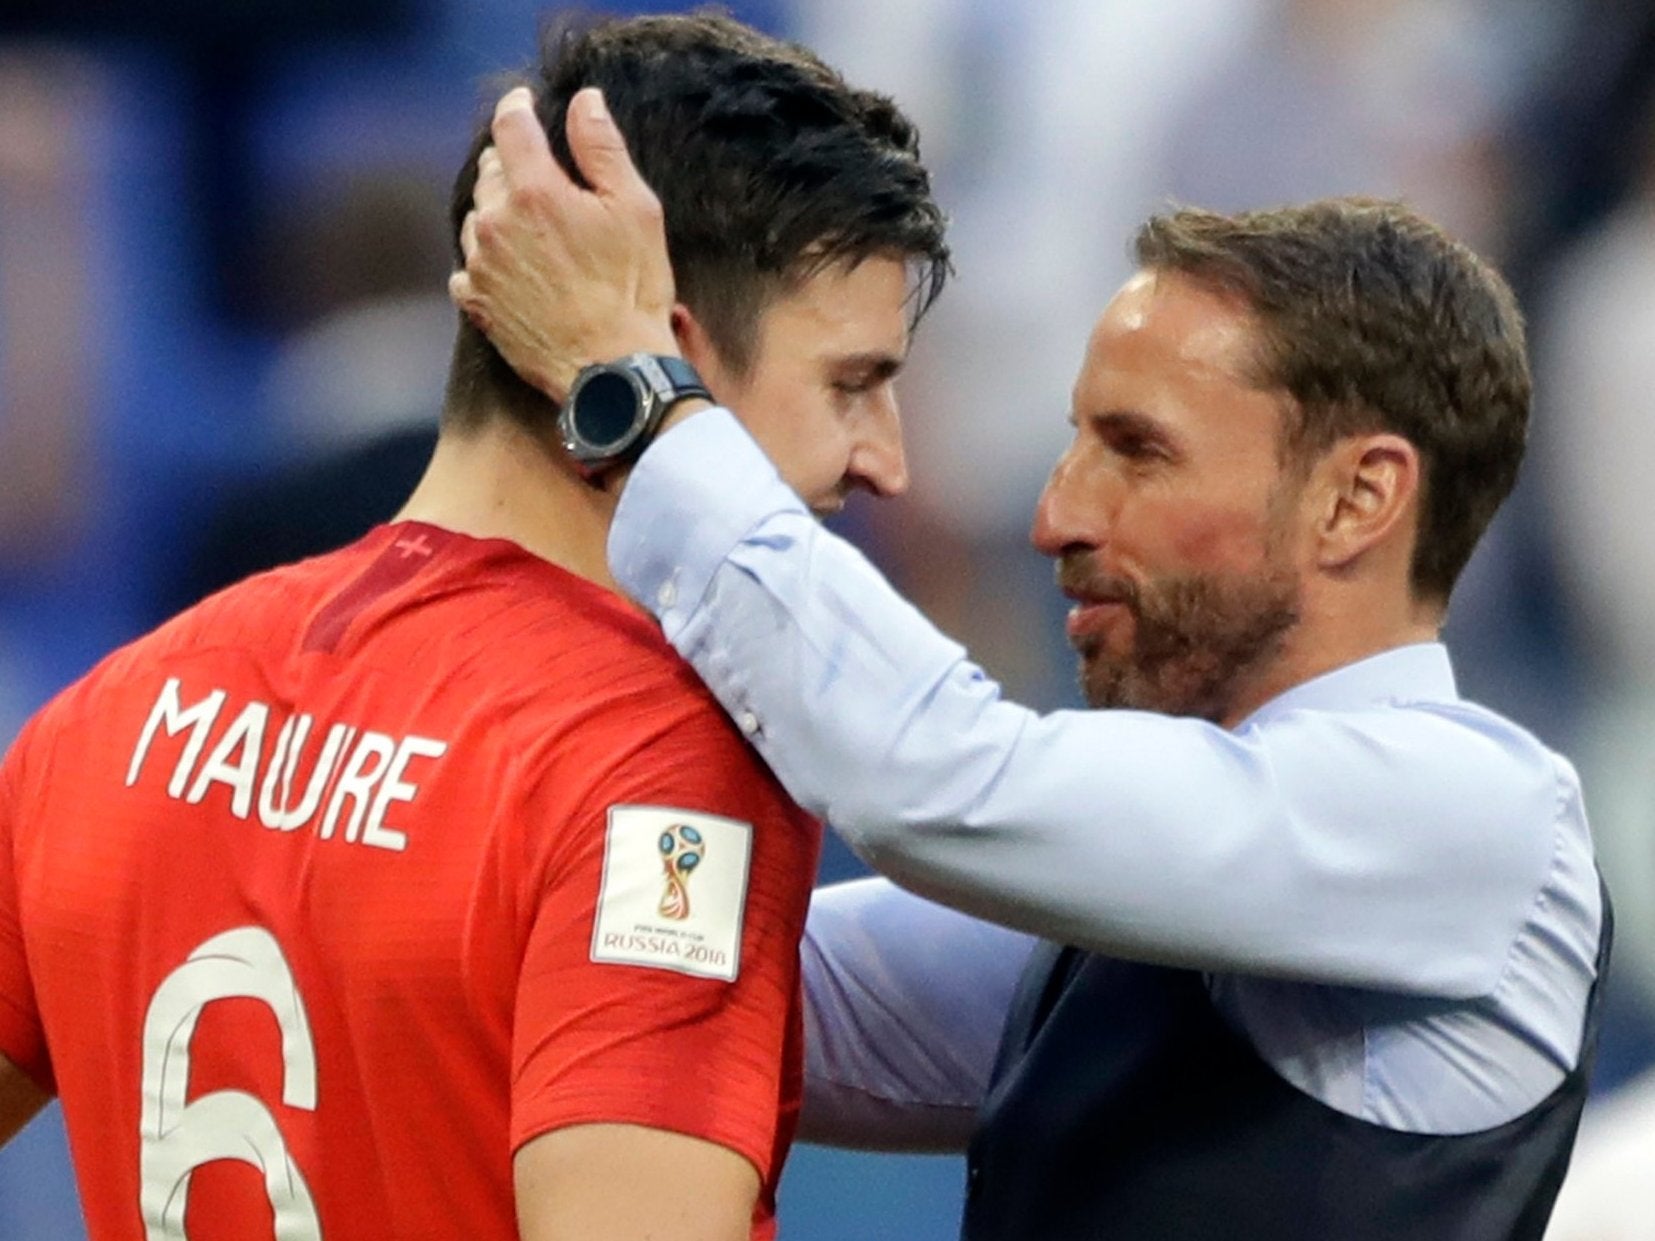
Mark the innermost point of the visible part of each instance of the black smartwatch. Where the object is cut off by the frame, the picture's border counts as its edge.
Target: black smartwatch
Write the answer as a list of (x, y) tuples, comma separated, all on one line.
[(613, 409)]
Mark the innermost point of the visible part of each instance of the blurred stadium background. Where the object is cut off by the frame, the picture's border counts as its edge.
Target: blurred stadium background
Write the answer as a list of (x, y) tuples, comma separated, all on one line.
[(223, 333)]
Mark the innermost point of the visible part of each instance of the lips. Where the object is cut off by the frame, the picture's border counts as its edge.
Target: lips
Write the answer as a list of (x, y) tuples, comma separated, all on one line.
[(1089, 618), (1100, 599)]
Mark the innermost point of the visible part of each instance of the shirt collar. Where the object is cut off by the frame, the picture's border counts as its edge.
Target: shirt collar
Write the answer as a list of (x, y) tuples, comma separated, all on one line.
[(1419, 672)]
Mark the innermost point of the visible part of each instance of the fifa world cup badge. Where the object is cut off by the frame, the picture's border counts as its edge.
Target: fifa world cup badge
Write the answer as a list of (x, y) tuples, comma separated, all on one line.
[(682, 850), (653, 856)]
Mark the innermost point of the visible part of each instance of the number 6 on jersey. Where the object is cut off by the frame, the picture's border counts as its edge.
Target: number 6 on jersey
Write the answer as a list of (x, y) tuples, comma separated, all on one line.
[(179, 1137)]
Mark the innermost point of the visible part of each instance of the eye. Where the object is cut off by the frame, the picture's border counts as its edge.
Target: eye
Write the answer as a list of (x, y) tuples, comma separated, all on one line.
[(859, 376), (1136, 447), (1134, 439)]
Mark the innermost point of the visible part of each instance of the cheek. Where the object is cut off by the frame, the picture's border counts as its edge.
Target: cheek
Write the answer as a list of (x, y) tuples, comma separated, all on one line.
[(1205, 536), (806, 440)]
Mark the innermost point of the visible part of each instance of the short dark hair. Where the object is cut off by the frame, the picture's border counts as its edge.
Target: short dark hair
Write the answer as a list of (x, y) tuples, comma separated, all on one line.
[(1372, 318), (768, 165)]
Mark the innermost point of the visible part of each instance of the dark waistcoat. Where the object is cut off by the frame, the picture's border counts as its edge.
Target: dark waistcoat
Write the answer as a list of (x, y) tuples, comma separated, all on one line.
[(1124, 1107)]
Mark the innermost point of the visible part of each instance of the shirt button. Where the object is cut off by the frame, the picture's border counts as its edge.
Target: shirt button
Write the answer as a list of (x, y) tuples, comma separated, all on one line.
[(668, 594), (973, 1178), (748, 722)]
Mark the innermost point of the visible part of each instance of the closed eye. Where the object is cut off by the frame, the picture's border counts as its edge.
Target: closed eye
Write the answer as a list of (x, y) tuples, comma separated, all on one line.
[(1137, 447), (1134, 436), (862, 373)]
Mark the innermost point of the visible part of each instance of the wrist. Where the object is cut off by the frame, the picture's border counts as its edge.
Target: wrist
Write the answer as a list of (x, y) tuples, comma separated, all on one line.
[(615, 408), (553, 364), (657, 342)]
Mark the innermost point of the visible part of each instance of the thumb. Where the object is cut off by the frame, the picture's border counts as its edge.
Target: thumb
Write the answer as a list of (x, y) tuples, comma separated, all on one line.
[(598, 147)]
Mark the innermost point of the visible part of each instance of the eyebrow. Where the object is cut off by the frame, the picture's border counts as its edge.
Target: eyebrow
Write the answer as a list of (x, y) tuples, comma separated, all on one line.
[(1129, 421), (873, 363)]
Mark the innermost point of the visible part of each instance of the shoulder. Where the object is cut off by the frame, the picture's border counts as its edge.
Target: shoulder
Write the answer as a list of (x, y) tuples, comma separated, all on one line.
[(581, 695), (1480, 752), (1447, 786), (607, 730), (568, 652), (1465, 757)]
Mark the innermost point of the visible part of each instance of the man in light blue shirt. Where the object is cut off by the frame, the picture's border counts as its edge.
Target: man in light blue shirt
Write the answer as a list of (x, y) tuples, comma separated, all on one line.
[(1321, 937)]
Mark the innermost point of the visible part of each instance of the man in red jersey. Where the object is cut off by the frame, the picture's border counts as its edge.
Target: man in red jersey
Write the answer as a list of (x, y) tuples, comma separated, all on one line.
[(419, 890)]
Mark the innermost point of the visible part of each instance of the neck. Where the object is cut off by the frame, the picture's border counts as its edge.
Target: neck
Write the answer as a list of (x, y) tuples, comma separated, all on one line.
[(502, 482), (1322, 642)]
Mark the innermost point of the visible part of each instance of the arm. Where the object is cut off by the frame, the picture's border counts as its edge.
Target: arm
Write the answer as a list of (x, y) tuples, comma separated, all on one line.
[(626, 1183), (640, 1031), (1376, 850), (904, 1004)]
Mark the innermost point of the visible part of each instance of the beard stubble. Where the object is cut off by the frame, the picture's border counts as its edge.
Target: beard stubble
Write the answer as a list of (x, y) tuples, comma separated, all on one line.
[(1197, 639)]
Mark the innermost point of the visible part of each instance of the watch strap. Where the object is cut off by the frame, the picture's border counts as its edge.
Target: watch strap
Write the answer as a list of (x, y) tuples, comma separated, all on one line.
[(682, 382)]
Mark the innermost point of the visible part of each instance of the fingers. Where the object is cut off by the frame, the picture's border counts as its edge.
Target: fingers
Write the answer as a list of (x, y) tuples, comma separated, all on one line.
[(491, 175), (600, 150), (523, 155), (459, 289), (464, 295), (489, 194), (468, 235)]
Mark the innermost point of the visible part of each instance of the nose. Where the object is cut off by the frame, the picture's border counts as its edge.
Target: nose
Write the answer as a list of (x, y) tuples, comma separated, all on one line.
[(1059, 523), (878, 461)]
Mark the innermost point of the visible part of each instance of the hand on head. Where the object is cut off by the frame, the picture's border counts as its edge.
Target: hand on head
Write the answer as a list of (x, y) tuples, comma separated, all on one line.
[(558, 276)]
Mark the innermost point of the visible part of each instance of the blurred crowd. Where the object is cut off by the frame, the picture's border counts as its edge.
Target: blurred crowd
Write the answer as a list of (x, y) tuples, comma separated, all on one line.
[(223, 336)]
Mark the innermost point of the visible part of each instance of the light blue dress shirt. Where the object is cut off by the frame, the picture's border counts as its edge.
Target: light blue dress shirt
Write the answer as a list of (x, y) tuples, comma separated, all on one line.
[(1390, 889)]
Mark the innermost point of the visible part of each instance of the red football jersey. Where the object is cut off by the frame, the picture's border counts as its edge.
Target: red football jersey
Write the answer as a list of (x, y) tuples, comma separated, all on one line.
[(319, 901)]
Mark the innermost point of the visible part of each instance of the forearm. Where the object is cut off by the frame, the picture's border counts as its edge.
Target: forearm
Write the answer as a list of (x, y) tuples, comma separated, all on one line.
[(904, 1003)]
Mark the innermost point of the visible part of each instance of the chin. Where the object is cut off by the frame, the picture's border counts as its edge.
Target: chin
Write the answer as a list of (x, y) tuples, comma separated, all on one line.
[(1102, 684), (1190, 692)]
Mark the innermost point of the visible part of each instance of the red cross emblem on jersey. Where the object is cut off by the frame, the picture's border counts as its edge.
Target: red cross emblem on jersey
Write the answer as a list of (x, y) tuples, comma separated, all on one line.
[(416, 546)]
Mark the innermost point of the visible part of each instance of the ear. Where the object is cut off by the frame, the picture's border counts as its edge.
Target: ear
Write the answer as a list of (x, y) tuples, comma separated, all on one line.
[(692, 338), (699, 351), (1367, 491)]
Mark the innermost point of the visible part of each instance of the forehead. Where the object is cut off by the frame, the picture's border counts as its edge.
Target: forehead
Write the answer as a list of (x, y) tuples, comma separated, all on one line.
[(857, 307), (1168, 346)]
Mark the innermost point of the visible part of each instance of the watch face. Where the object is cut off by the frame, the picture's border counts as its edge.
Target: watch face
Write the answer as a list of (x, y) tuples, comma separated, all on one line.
[(606, 410)]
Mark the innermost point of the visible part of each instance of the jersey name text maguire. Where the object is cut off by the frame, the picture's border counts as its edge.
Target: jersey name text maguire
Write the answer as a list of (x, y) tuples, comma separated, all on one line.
[(360, 773)]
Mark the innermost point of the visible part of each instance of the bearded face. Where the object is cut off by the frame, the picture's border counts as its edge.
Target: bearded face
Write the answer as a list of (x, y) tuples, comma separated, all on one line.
[(1180, 530), (1182, 644)]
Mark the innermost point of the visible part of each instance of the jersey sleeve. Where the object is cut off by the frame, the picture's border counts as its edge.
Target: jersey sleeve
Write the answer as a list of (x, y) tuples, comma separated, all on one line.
[(21, 1037), (660, 979)]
